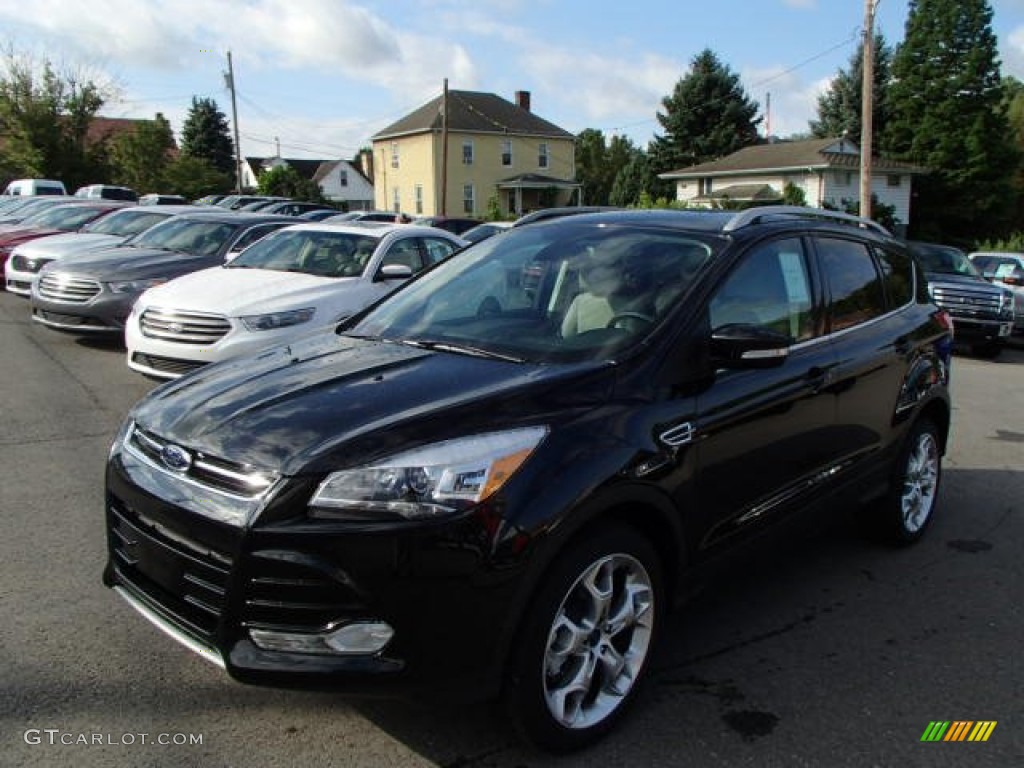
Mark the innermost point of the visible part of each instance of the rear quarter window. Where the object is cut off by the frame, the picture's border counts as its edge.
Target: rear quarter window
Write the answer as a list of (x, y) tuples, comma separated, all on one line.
[(897, 276), (856, 293)]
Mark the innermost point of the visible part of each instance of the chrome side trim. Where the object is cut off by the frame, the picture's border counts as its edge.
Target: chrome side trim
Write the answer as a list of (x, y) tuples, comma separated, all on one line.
[(212, 655)]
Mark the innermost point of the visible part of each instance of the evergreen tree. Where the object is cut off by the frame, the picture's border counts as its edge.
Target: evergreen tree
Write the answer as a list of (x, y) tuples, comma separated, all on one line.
[(839, 108), (707, 116), (205, 135), (636, 179), (948, 116), (139, 159)]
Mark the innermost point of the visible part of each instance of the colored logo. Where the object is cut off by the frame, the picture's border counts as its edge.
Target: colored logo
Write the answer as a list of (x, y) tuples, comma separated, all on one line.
[(958, 730), (175, 458)]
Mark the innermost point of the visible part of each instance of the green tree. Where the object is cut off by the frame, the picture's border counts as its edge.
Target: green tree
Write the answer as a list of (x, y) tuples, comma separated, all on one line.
[(44, 120), (205, 135), (948, 115), (139, 159), (193, 177), (636, 180), (285, 181), (707, 116), (839, 108), (598, 162)]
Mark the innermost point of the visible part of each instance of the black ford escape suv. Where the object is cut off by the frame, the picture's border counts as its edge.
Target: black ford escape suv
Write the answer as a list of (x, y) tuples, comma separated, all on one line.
[(497, 480)]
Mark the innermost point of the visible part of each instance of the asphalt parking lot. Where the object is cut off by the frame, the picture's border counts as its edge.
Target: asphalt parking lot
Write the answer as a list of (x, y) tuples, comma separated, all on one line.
[(835, 651)]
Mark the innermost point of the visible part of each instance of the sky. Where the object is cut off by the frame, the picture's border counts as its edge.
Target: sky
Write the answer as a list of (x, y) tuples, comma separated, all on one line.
[(317, 78)]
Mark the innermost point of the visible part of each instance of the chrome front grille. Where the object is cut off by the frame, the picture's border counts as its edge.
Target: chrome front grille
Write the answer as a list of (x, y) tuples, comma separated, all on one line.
[(209, 471), (68, 288), (965, 300), (183, 327)]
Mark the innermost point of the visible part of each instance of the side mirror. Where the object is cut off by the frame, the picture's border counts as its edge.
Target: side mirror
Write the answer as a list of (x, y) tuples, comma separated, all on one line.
[(394, 272), (739, 345)]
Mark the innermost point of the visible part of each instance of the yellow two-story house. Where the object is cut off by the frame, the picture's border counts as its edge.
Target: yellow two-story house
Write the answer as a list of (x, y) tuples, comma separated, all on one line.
[(464, 151)]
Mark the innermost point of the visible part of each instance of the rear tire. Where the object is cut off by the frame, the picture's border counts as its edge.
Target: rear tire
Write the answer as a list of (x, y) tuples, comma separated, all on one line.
[(909, 506), (586, 640)]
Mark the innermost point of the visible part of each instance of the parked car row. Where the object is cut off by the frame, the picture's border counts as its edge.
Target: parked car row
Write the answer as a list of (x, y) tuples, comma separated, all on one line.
[(167, 279)]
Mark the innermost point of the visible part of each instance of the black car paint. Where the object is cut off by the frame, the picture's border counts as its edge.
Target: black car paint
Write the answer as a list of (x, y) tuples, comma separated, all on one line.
[(455, 589)]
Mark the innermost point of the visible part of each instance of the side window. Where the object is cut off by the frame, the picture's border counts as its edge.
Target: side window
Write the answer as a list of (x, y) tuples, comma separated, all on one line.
[(251, 236), (770, 287), (437, 249), (897, 276), (855, 287), (405, 252)]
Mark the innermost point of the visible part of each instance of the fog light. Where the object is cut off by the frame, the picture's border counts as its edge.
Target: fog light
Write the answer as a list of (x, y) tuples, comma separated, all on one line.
[(363, 637), (357, 638)]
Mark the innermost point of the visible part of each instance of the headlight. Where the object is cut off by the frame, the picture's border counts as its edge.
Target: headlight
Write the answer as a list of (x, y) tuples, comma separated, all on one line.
[(278, 319), (134, 286), (428, 482)]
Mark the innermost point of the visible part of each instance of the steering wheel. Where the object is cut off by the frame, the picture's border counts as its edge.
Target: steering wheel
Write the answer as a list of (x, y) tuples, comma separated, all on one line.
[(621, 316)]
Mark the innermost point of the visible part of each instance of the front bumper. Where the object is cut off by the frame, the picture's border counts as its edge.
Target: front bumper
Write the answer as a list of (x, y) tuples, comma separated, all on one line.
[(208, 582), (104, 313), (168, 359)]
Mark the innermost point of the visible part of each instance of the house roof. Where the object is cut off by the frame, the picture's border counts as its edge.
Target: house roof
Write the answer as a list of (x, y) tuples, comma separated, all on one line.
[(102, 129), (473, 112), (307, 169), (327, 166), (809, 154)]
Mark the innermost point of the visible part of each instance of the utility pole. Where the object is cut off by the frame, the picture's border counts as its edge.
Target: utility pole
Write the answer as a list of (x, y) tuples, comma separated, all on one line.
[(229, 79), (867, 88), (444, 150)]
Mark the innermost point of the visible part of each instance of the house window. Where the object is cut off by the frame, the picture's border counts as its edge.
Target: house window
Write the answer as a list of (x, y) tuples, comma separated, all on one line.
[(506, 152), (467, 153), (394, 154), (419, 198), (895, 180), (542, 155), (704, 186), (343, 178), (396, 200), (468, 199)]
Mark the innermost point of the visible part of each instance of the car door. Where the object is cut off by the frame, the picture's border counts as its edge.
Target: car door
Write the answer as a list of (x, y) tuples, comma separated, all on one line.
[(764, 436), (867, 288)]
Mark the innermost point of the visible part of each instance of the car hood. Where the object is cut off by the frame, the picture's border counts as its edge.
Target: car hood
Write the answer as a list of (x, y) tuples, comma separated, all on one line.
[(331, 401), (59, 246), (14, 236), (940, 278), (237, 292), (129, 263)]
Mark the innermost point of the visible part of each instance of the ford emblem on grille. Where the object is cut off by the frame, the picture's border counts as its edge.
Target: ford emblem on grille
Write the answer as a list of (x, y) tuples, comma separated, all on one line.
[(176, 458), (175, 327)]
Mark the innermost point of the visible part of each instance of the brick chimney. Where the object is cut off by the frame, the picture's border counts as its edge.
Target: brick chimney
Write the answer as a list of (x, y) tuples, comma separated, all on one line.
[(523, 100)]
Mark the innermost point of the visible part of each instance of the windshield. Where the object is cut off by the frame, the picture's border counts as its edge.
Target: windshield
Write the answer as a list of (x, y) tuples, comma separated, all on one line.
[(573, 292), (194, 236), (128, 222), (66, 217), (312, 252), (944, 260), (33, 208)]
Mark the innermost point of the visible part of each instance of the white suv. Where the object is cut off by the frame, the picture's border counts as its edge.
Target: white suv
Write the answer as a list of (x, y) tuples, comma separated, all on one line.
[(286, 284)]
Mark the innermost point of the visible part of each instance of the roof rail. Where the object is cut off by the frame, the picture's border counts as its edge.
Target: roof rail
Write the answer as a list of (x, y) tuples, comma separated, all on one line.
[(753, 215)]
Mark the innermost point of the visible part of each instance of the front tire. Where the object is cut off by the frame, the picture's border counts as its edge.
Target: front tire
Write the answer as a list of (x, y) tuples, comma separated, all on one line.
[(586, 640)]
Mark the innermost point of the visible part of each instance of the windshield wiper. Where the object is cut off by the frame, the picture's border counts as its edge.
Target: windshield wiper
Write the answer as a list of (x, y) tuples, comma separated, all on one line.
[(461, 349)]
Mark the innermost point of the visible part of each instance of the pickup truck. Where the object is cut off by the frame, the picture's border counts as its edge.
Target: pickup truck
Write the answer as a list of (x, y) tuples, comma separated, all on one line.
[(982, 312)]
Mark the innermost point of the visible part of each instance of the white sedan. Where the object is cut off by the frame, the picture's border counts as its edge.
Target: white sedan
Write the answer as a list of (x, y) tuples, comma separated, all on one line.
[(286, 285)]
